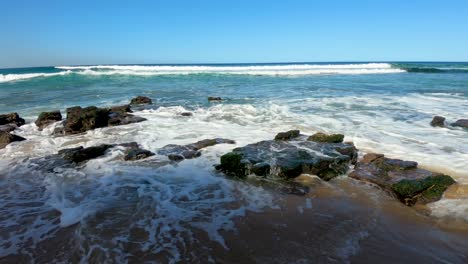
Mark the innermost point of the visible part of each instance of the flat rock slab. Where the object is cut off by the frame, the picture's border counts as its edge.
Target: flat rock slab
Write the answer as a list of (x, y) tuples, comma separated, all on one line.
[(401, 178), (289, 159)]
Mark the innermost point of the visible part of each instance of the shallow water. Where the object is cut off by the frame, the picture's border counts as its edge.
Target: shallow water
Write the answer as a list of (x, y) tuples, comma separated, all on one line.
[(134, 211)]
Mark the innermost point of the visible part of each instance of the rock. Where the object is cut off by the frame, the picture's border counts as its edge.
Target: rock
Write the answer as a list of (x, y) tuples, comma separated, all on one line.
[(137, 154), (80, 154), (186, 114), (8, 127), (118, 119), (80, 120), (141, 100), (47, 118), (190, 151), (289, 159), (324, 138), (214, 99), (6, 138), (11, 118), (287, 135), (438, 121), (122, 109), (403, 179), (461, 123)]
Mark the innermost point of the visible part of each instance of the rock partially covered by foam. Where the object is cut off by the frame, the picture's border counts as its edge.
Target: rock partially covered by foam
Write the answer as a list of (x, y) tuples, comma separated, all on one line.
[(438, 121), (190, 151), (11, 118), (404, 179), (141, 100), (134, 152), (7, 138), (81, 154), (214, 99), (289, 159), (47, 118), (461, 123)]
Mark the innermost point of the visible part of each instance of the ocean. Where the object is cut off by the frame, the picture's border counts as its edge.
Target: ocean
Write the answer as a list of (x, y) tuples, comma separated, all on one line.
[(150, 211)]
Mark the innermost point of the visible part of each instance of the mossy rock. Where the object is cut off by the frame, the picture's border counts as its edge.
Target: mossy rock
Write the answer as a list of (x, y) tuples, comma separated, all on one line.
[(324, 138), (231, 163), (425, 190)]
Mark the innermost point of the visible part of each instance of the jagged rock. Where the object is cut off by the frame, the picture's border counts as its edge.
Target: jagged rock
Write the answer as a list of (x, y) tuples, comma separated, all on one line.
[(289, 159), (11, 118), (81, 154), (6, 138), (47, 118), (141, 100), (8, 127), (461, 123), (287, 135), (438, 121), (403, 179), (80, 120), (214, 99), (324, 138), (186, 114), (190, 151)]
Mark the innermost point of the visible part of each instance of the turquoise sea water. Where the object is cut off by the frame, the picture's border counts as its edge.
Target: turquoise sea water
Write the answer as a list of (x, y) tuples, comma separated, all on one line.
[(381, 107)]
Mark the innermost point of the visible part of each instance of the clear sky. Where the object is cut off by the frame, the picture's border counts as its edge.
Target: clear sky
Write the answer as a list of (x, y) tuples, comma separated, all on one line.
[(60, 32)]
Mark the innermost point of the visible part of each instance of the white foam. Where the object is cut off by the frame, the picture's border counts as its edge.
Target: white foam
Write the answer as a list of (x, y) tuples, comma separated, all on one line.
[(270, 70), (17, 77)]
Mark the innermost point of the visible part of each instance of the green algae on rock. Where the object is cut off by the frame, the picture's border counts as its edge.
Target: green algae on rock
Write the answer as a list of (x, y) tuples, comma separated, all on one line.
[(324, 138)]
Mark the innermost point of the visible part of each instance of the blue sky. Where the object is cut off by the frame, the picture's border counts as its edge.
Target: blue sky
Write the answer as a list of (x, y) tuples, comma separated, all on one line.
[(206, 31)]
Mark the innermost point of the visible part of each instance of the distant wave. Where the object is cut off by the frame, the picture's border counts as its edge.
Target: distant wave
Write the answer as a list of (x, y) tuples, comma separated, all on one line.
[(16, 77), (260, 70), (269, 70)]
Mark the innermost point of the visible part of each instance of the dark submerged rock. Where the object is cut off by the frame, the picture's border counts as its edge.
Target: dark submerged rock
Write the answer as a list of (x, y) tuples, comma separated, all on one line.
[(141, 100), (438, 121), (47, 118), (11, 118), (214, 99), (190, 151), (324, 138), (7, 138), (461, 123), (289, 159), (403, 179), (287, 135), (186, 114), (137, 154)]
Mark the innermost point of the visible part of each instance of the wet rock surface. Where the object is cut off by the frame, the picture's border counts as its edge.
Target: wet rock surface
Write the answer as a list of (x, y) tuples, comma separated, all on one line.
[(134, 152), (11, 118), (403, 179), (325, 138), (186, 114), (289, 159), (7, 138), (81, 154), (47, 118), (80, 120), (8, 127), (139, 100), (461, 123), (190, 151), (438, 121)]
